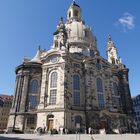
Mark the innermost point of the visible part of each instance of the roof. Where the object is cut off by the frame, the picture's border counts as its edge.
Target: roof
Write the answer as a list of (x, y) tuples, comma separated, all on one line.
[(37, 56), (74, 4), (6, 97)]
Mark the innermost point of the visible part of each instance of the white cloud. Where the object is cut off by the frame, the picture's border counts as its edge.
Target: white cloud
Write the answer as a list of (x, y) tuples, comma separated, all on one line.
[(127, 21)]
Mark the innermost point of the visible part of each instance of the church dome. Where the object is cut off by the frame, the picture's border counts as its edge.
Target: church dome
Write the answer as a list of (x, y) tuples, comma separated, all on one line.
[(79, 32)]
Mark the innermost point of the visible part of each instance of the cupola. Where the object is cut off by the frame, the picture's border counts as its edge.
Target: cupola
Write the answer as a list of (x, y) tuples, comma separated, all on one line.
[(74, 12)]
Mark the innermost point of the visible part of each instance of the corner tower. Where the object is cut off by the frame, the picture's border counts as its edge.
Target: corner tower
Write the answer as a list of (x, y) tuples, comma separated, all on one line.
[(112, 52)]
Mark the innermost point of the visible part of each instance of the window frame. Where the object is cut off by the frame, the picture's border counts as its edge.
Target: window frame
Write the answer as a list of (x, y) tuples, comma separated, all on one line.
[(76, 90), (53, 84)]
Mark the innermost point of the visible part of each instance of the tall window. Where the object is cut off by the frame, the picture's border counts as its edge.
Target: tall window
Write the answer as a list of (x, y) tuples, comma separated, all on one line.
[(98, 64), (76, 82), (53, 97), (86, 33), (53, 88), (115, 99), (76, 13), (53, 83), (99, 85), (100, 94), (33, 96), (69, 14), (115, 88), (34, 86), (101, 101), (76, 90), (32, 101)]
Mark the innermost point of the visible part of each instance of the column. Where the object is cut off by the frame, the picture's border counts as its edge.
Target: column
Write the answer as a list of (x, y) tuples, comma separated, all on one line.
[(24, 92), (43, 89)]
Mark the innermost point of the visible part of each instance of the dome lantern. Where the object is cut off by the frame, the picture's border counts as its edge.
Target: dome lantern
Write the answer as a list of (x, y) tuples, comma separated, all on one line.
[(74, 12)]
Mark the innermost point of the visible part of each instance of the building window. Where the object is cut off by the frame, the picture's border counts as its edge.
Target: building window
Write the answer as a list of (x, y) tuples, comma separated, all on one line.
[(78, 120), (92, 53), (69, 14), (76, 82), (53, 83), (101, 101), (76, 98), (115, 88), (53, 97), (32, 101), (98, 64), (53, 88), (76, 90), (99, 85), (76, 13), (33, 86), (31, 120), (86, 33), (100, 94)]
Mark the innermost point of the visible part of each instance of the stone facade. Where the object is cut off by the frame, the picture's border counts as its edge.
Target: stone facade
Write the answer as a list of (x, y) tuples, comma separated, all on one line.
[(71, 86), (136, 107)]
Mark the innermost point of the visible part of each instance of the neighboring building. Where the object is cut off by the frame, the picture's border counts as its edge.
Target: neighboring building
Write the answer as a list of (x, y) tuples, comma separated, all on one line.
[(71, 85), (136, 107), (1, 102), (5, 106)]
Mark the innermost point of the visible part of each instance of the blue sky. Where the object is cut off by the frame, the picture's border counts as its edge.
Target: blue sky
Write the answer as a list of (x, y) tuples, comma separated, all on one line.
[(26, 24)]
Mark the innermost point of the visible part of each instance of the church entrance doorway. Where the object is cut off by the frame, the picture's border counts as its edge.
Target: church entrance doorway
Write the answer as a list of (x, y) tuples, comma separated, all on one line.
[(50, 122)]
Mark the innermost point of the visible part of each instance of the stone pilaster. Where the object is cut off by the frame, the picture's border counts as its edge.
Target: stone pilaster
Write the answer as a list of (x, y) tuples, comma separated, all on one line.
[(24, 92), (43, 89), (15, 94)]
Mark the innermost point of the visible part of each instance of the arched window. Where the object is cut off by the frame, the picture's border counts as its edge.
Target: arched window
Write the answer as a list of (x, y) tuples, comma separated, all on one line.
[(78, 120), (53, 78), (56, 43), (53, 88), (76, 13), (33, 86), (69, 14), (76, 90), (99, 85), (115, 88), (113, 60)]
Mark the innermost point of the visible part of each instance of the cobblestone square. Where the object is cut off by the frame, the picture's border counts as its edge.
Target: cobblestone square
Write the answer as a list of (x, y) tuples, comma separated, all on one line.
[(69, 137)]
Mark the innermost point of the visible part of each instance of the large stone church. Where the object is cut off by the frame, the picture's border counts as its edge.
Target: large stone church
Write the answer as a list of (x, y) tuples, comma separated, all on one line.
[(71, 85)]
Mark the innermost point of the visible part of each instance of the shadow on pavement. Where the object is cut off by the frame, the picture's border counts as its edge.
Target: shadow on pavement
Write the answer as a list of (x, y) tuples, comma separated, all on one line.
[(14, 138)]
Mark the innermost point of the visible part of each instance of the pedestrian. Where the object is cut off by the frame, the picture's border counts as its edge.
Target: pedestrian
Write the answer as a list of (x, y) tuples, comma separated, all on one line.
[(40, 131), (44, 129), (89, 130), (51, 132)]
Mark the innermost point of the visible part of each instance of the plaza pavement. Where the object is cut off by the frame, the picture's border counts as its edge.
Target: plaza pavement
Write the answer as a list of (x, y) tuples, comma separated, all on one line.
[(69, 137)]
